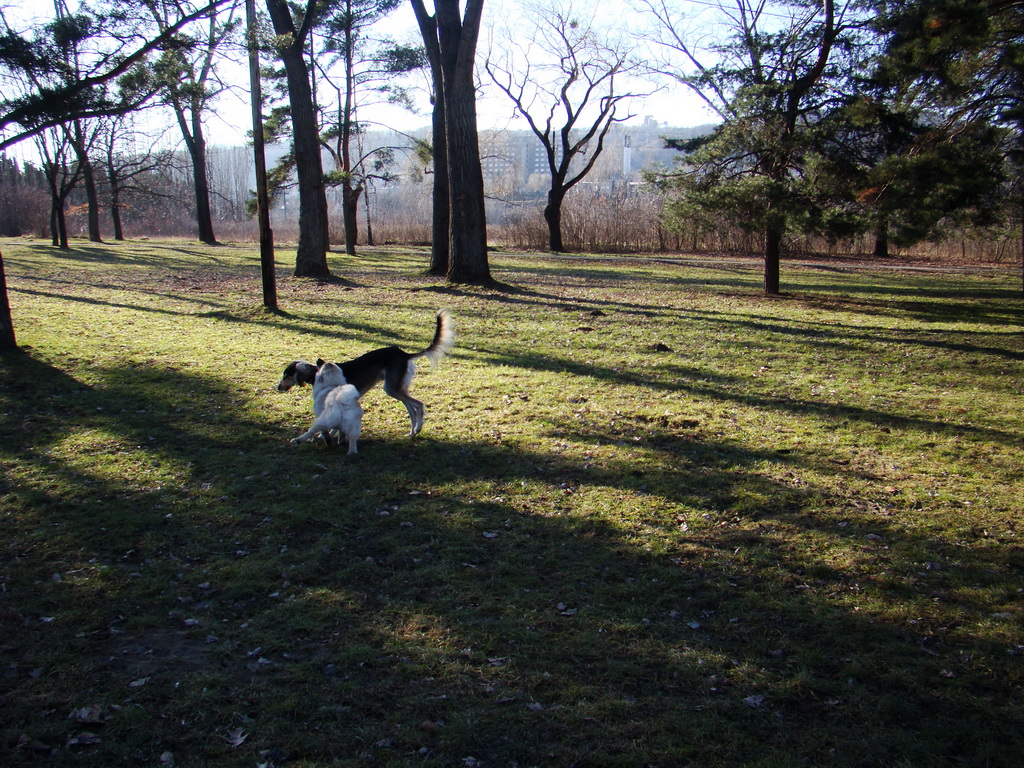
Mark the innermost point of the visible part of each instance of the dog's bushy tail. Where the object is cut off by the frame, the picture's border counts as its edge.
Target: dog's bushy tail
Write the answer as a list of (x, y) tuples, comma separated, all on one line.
[(444, 339)]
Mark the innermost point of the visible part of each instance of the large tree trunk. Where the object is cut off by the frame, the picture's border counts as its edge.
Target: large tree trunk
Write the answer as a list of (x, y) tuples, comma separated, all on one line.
[(7, 339), (196, 143), (553, 217), (467, 229), (881, 249), (441, 215), (772, 257), (311, 255)]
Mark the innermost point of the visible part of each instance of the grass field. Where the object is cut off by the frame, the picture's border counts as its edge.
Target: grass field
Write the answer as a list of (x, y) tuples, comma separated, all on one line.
[(654, 518)]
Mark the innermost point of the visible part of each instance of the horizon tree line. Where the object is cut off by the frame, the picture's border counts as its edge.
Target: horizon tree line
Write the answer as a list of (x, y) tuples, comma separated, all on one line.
[(835, 117)]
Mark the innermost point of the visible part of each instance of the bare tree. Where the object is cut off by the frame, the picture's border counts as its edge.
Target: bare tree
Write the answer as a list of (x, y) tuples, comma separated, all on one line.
[(62, 174), (189, 86), (128, 160), (561, 72)]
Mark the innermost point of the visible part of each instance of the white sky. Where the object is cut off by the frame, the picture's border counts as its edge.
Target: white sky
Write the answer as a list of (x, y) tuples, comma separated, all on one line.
[(230, 118)]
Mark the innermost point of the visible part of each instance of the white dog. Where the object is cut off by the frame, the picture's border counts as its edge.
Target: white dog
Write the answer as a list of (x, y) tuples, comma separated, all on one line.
[(335, 407)]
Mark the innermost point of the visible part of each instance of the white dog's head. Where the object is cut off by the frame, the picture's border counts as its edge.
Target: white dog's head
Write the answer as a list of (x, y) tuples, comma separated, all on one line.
[(328, 376)]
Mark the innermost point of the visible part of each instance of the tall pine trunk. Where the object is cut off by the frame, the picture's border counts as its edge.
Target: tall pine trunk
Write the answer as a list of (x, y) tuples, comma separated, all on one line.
[(467, 230), (311, 254), (195, 140), (441, 208), (441, 214)]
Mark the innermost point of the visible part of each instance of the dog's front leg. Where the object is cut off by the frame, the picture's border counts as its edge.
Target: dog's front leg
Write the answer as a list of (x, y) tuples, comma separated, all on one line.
[(305, 437)]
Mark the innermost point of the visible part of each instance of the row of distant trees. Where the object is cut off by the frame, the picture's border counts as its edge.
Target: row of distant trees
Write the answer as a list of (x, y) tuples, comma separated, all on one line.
[(837, 117)]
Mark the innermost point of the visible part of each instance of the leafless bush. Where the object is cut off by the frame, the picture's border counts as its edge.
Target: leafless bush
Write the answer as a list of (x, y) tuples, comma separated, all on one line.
[(26, 211), (624, 221), (400, 215)]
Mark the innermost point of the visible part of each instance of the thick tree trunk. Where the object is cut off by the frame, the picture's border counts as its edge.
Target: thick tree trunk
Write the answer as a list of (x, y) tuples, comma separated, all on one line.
[(441, 215), (200, 180), (881, 249), (553, 217), (311, 255), (467, 229), (772, 257), (7, 339)]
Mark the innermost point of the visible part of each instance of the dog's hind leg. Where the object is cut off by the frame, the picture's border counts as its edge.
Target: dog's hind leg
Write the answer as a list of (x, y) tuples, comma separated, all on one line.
[(397, 386), (416, 414)]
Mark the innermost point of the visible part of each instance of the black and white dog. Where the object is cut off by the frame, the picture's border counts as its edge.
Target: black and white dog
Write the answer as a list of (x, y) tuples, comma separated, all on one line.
[(391, 365), (335, 408)]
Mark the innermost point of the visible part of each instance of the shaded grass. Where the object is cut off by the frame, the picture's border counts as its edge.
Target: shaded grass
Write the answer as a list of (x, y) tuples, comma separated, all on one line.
[(653, 518)]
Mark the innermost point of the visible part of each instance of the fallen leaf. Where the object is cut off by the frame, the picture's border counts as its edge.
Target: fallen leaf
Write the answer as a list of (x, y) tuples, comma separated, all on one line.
[(756, 701), (235, 737), (89, 715), (84, 739)]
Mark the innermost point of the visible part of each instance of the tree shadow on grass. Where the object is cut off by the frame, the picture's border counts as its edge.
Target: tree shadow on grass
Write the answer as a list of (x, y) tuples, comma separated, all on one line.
[(715, 387), (673, 605)]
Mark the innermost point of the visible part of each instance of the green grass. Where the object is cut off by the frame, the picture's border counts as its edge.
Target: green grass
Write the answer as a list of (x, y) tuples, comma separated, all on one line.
[(654, 518)]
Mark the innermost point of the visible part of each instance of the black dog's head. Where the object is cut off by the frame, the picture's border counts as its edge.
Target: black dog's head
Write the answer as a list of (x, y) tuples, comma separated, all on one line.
[(298, 373)]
